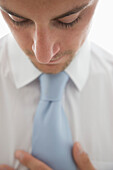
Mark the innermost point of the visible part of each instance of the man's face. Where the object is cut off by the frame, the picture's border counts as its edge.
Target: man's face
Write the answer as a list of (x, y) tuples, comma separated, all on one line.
[(50, 32)]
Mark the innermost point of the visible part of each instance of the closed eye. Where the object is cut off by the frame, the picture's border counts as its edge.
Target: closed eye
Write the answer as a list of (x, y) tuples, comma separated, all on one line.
[(25, 22)]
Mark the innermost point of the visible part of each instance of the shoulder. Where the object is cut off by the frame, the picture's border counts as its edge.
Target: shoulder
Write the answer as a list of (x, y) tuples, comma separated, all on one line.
[(4, 41), (4, 56), (101, 59)]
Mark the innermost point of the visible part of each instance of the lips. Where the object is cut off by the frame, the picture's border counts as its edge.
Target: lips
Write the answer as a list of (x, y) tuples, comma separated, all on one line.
[(56, 58)]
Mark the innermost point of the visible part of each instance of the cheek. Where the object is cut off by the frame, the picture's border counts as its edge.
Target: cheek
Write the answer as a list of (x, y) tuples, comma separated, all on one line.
[(74, 38), (22, 36), (23, 39)]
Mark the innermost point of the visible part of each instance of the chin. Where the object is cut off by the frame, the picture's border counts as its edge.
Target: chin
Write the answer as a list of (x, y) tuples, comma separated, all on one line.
[(51, 69)]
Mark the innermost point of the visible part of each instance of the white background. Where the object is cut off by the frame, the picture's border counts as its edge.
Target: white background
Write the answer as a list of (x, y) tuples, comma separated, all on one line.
[(102, 27)]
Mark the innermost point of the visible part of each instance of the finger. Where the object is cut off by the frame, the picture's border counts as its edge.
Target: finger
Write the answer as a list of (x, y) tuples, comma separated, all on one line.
[(30, 162), (81, 158), (5, 167)]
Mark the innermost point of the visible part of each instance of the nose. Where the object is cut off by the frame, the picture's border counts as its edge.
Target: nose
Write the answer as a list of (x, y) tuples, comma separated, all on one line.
[(44, 46)]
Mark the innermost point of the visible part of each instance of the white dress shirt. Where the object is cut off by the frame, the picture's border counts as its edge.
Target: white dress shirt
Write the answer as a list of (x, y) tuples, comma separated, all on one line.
[(88, 102)]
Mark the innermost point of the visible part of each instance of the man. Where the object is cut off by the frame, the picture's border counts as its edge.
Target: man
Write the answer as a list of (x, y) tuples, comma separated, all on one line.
[(53, 37)]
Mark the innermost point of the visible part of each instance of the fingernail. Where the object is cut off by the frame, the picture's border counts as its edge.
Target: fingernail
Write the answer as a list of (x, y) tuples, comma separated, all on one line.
[(19, 155), (79, 148)]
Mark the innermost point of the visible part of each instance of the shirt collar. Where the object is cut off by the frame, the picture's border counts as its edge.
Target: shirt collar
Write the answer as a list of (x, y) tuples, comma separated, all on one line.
[(78, 70), (25, 72), (22, 68)]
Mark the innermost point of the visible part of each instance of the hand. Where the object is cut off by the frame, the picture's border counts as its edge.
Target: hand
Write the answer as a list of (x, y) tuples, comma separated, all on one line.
[(27, 160), (80, 157)]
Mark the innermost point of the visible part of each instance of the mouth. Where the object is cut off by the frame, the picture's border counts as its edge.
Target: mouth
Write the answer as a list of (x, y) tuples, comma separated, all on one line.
[(56, 59)]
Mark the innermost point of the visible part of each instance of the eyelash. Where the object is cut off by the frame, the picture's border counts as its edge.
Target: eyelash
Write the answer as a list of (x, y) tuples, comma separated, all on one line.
[(21, 23), (69, 25), (61, 24)]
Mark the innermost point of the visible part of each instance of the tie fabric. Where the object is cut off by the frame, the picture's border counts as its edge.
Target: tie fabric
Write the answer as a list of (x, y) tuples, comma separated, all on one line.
[(52, 140)]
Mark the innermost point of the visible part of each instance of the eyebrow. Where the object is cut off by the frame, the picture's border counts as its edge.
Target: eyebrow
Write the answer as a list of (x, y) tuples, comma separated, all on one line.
[(12, 13), (72, 11)]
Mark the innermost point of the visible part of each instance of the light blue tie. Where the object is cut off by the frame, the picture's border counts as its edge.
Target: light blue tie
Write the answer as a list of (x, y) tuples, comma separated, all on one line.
[(52, 140)]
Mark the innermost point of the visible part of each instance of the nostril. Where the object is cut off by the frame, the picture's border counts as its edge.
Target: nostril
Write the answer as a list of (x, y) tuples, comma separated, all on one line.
[(45, 52), (56, 49), (43, 56), (34, 48), (42, 61)]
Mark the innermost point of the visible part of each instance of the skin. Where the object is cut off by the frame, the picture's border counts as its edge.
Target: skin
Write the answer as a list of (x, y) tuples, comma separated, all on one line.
[(80, 157), (42, 41)]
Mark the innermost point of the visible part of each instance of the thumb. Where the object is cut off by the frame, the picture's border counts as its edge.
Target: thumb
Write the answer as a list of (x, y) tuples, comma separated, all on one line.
[(29, 161), (81, 158)]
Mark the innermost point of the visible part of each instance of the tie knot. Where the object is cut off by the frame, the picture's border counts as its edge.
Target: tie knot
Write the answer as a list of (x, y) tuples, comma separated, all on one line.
[(52, 86)]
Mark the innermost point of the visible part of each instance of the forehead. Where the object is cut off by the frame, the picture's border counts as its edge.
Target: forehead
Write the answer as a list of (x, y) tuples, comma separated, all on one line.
[(42, 3), (32, 8)]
